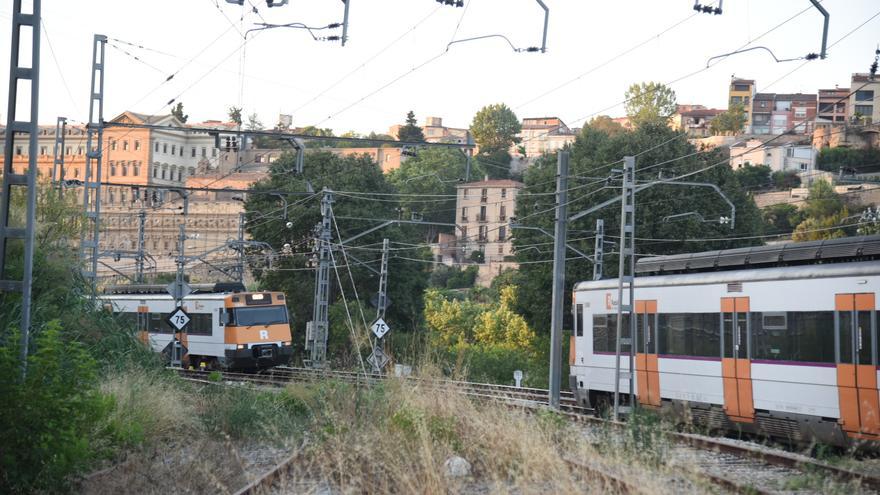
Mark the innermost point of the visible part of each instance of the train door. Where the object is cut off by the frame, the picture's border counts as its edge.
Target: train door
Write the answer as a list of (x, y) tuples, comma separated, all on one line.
[(647, 374), (856, 327), (736, 367)]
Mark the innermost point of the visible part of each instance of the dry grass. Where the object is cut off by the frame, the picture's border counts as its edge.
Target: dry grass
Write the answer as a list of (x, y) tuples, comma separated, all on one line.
[(395, 438)]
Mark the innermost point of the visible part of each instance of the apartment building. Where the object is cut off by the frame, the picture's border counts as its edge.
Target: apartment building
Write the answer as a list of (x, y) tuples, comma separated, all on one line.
[(864, 106), (779, 156), (694, 120), (435, 132), (742, 92), (833, 106), (483, 211), (541, 135), (779, 113)]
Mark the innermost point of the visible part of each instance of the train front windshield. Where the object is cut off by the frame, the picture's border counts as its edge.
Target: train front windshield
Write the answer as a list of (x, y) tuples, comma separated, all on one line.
[(265, 315)]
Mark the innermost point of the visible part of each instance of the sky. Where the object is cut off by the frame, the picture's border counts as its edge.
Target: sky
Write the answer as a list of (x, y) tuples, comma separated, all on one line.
[(398, 56)]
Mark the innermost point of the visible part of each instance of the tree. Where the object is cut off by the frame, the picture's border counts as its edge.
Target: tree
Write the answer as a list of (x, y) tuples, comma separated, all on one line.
[(606, 124), (254, 123), (754, 177), (782, 218), (824, 213), (235, 114), (177, 111), (411, 132), (433, 171), (501, 326), (591, 154), (731, 122), (651, 102), (787, 179), (495, 128), (293, 276)]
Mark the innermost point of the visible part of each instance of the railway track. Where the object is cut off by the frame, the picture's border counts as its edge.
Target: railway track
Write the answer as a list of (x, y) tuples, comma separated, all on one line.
[(731, 466)]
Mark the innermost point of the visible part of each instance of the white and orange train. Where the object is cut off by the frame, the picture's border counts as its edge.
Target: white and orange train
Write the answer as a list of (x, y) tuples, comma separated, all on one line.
[(772, 340), (230, 328)]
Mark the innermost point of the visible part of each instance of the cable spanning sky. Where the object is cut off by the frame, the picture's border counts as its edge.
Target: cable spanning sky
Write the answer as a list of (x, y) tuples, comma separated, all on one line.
[(396, 58)]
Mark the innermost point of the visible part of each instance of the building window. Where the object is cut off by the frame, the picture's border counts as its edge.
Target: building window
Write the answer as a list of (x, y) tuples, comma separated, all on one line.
[(124, 170), (156, 147), (79, 151), (113, 145), (502, 214), (125, 145), (173, 149), (464, 232), (181, 150), (482, 217), (864, 110), (484, 195), (736, 100), (164, 172), (67, 151), (484, 233), (42, 150), (503, 193), (864, 95), (137, 145), (137, 169), (502, 234), (204, 152), (214, 153), (164, 147), (112, 169), (75, 173), (155, 172), (18, 150), (193, 152), (464, 217), (740, 87), (800, 112)]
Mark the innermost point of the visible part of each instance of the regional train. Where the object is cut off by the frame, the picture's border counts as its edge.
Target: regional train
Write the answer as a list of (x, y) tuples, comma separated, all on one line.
[(230, 328), (776, 340)]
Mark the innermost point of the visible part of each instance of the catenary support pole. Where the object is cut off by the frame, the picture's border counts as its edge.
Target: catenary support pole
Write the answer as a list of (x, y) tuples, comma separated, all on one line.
[(599, 251), (625, 273), (317, 332), (58, 158), (90, 238), (139, 257), (560, 238), (22, 76)]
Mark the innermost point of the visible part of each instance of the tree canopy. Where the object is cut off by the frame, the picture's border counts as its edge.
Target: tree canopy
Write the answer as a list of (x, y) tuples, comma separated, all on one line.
[(411, 132), (731, 122), (650, 103), (234, 114), (593, 154), (177, 111), (292, 273), (495, 128)]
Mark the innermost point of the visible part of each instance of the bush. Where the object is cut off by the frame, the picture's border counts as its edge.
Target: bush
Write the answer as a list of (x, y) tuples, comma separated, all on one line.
[(462, 279), (47, 419), (860, 161)]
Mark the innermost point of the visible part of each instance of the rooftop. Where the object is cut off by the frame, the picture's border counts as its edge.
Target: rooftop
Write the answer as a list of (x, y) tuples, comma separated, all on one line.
[(493, 183)]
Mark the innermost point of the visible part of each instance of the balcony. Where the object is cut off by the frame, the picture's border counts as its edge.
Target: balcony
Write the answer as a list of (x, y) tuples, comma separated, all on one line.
[(464, 218), (482, 218), (482, 238), (484, 199)]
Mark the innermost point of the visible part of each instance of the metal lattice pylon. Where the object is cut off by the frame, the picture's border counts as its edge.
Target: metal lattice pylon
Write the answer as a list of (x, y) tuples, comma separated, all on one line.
[(94, 152), (626, 279), (58, 161), (13, 226), (316, 334)]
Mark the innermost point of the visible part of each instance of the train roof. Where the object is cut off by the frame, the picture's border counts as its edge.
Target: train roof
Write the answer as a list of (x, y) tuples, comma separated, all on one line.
[(159, 289), (845, 249)]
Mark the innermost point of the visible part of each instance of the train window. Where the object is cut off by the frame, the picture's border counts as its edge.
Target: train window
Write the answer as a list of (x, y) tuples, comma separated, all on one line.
[(806, 336), (605, 333), (157, 324), (129, 320), (200, 325), (579, 320), (689, 334), (266, 315)]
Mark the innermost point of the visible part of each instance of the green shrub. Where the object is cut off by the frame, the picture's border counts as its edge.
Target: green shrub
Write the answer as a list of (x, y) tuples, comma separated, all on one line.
[(46, 419)]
